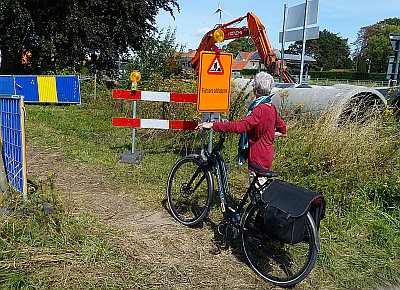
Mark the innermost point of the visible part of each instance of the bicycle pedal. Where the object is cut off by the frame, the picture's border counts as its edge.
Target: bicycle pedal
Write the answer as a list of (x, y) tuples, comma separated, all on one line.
[(217, 247)]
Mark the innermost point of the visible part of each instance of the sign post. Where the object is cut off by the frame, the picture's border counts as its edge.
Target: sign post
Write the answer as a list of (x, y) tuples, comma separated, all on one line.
[(301, 15), (214, 85)]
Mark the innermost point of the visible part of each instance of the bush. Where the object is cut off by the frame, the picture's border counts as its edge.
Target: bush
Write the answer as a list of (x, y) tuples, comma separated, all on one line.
[(250, 71)]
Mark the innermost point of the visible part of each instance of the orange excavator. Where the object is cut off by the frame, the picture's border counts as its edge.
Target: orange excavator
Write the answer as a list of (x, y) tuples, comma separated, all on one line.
[(258, 34)]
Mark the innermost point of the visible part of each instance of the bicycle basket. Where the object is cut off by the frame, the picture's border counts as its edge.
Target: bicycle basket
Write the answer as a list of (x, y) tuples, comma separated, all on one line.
[(285, 210)]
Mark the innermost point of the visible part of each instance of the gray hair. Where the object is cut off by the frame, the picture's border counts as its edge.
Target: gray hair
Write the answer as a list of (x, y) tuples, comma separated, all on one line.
[(263, 84)]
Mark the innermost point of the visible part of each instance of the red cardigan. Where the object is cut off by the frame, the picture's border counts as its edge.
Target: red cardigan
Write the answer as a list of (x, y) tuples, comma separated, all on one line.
[(260, 126)]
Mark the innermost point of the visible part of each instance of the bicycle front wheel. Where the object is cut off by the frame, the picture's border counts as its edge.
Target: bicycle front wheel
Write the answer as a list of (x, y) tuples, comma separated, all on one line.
[(282, 264), (190, 190)]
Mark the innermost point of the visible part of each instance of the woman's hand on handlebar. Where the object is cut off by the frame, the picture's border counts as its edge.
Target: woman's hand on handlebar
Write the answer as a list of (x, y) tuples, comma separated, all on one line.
[(205, 125)]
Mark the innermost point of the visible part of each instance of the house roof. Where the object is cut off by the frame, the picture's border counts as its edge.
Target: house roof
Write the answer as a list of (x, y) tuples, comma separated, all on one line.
[(239, 65), (244, 55), (189, 54)]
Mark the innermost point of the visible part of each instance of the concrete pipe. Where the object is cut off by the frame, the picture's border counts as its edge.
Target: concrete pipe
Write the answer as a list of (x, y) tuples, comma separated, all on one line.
[(352, 102)]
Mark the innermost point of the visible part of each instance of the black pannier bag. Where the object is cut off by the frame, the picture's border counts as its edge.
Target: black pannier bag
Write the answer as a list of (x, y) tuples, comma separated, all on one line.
[(285, 212)]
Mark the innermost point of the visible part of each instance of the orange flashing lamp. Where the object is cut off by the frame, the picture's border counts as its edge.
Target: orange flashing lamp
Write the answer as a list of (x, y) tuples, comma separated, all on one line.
[(219, 35), (135, 78)]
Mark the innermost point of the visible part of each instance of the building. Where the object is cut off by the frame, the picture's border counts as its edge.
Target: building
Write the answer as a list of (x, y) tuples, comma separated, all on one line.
[(185, 61), (252, 60)]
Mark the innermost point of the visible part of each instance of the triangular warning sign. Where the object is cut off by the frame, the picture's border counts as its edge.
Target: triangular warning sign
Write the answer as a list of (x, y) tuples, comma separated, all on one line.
[(216, 67)]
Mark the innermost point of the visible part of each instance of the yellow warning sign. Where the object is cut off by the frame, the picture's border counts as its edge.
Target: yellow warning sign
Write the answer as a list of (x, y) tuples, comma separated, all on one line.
[(216, 67), (214, 84)]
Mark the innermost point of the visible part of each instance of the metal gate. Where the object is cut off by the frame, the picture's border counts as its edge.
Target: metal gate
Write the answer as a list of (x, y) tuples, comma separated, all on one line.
[(13, 141)]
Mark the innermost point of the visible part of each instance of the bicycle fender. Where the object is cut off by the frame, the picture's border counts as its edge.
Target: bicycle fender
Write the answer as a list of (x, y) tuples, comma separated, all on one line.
[(314, 229)]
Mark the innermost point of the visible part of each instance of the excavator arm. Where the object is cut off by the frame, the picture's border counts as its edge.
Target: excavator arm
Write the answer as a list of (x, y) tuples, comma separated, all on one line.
[(258, 34)]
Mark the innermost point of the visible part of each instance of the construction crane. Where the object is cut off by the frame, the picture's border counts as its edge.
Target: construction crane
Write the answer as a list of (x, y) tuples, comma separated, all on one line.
[(258, 34)]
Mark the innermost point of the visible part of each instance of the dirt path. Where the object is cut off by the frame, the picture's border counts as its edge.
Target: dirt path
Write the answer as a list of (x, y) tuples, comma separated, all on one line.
[(176, 256)]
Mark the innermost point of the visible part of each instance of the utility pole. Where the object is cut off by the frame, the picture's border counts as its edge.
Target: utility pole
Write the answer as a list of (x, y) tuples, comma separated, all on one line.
[(285, 9), (303, 52)]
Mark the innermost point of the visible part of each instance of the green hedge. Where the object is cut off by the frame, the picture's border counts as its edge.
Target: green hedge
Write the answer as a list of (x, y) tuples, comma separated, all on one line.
[(249, 72), (332, 75), (344, 75)]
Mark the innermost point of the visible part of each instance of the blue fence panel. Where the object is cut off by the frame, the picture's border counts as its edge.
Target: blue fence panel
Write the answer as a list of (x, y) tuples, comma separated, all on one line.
[(7, 85), (13, 141), (68, 89), (42, 89), (28, 87)]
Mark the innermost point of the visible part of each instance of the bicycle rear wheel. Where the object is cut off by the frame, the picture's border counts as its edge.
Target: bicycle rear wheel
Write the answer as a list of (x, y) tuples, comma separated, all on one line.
[(190, 190), (282, 264)]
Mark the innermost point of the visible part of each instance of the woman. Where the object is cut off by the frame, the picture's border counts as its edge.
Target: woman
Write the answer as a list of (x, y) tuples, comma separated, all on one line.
[(262, 124)]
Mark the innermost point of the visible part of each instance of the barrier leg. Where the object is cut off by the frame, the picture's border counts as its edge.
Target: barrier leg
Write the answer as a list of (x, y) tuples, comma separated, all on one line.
[(132, 156)]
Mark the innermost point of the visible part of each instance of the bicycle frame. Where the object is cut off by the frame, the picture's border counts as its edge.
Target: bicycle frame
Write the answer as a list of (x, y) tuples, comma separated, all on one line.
[(216, 161)]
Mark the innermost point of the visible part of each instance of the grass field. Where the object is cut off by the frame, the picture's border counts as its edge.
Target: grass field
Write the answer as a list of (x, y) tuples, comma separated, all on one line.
[(356, 167)]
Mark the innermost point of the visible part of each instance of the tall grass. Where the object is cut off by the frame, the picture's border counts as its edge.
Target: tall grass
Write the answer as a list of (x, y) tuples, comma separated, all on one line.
[(357, 168)]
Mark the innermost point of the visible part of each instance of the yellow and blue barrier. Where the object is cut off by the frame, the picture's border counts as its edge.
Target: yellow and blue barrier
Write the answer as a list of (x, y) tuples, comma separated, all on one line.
[(42, 89)]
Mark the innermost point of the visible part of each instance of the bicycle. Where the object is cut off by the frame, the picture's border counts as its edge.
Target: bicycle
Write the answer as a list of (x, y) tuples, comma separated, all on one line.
[(190, 192)]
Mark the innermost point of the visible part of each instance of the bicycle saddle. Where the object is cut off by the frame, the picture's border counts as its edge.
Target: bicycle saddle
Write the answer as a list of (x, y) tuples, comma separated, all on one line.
[(262, 171)]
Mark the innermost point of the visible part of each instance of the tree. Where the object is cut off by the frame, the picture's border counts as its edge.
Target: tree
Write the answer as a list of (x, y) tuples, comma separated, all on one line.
[(64, 32), (160, 55), (240, 44), (329, 50), (373, 43)]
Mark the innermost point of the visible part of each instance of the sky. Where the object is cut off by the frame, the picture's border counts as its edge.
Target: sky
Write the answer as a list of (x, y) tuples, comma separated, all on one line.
[(342, 17)]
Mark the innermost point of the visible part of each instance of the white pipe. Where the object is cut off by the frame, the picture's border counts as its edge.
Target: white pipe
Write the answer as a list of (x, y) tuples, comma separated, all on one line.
[(319, 98)]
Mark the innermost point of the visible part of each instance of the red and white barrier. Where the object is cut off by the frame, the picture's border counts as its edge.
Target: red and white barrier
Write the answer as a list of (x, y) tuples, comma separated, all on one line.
[(154, 123), (155, 96)]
